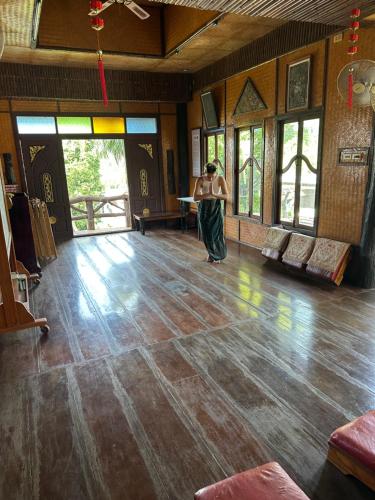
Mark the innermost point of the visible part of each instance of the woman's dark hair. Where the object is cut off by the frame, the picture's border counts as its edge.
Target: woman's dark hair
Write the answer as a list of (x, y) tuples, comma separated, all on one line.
[(211, 168)]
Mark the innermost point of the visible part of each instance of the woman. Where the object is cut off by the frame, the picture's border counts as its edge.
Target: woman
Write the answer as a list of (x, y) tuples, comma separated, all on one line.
[(209, 190)]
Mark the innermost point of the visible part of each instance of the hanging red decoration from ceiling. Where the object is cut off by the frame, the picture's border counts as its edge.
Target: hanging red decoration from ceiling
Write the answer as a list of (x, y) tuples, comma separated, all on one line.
[(352, 50), (97, 24)]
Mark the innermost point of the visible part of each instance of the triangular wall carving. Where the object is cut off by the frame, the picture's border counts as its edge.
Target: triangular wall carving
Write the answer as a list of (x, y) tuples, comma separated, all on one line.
[(250, 100)]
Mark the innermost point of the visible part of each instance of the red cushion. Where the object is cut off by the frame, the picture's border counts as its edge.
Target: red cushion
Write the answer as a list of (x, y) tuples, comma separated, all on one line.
[(357, 439), (267, 482)]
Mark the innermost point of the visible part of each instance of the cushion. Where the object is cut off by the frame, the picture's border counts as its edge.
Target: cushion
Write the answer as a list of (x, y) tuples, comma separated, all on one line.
[(357, 439), (299, 250), (267, 482), (276, 242)]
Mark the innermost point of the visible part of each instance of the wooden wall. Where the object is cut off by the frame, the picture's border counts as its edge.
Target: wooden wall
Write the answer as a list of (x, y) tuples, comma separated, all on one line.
[(342, 188), (166, 112)]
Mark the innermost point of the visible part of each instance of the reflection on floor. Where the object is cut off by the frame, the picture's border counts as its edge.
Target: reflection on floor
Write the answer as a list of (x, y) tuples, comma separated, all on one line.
[(163, 373)]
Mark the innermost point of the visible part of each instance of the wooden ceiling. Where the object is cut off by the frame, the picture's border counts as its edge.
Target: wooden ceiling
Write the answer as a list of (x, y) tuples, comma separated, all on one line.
[(321, 11), (66, 39)]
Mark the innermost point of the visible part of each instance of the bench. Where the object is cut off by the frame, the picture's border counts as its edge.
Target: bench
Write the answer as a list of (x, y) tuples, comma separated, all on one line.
[(140, 219)]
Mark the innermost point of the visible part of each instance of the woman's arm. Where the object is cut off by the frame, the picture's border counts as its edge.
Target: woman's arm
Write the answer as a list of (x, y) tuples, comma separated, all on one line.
[(224, 190), (197, 195)]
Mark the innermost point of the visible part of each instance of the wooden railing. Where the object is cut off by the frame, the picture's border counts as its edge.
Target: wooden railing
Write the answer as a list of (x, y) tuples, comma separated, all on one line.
[(95, 208)]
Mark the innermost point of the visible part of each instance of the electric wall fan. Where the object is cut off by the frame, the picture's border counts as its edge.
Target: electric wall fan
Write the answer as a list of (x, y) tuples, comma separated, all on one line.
[(135, 8), (363, 82)]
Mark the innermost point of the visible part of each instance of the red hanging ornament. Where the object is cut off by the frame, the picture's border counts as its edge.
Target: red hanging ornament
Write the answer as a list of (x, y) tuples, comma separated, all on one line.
[(356, 13), (97, 23), (95, 7), (102, 77), (352, 50)]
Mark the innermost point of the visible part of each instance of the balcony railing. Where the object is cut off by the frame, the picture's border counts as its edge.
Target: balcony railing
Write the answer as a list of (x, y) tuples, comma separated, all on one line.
[(98, 207)]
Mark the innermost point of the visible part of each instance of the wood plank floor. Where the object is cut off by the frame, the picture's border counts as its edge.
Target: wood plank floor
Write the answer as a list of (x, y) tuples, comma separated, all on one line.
[(163, 373)]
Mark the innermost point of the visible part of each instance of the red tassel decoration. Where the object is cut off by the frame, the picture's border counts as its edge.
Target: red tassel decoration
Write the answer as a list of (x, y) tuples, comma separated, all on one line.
[(350, 89), (102, 79)]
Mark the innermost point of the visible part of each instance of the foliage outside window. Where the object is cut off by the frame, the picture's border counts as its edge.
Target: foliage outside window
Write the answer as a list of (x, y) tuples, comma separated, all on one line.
[(249, 171), (215, 151), (298, 172)]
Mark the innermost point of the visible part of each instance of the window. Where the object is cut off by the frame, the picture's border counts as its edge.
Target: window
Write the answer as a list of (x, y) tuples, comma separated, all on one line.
[(215, 151), (298, 172), (249, 171), (108, 125), (141, 126), (74, 125), (36, 125)]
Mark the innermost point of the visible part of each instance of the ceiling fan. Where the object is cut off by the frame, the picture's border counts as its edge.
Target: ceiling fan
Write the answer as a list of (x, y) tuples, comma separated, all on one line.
[(135, 8)]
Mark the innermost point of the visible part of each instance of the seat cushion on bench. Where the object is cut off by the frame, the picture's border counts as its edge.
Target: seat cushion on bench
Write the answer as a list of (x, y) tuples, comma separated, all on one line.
[(267, 482), (299, 250), (329, 259), (276, 242), (357, 439)]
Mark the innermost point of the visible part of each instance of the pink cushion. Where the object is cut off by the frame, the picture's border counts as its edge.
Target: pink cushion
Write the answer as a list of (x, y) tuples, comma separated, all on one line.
[(357, 439), (267, 482)]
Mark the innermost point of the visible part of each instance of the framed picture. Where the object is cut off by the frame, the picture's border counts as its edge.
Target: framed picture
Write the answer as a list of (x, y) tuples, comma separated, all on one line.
[(353, 156), (298, 85), (196, 151)]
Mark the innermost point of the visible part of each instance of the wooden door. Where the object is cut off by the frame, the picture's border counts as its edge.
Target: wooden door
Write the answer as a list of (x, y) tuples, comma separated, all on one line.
[(46, 180), (144, 172)]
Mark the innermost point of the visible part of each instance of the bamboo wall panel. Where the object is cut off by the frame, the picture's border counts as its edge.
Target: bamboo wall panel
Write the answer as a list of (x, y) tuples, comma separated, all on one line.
[(269, 169), (88, 107), (317, 53), (37, 106), (194, 112), (264, 80), (253, 234), (280, 41), (167, 107), (53, 82), (7, 143), (343, 188), (139, 107), (231, 228), (168, 125), (68, 26), (181, 22), (4, 105)]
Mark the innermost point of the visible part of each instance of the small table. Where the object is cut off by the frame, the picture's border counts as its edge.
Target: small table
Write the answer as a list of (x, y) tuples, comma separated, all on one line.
[(140, 219)]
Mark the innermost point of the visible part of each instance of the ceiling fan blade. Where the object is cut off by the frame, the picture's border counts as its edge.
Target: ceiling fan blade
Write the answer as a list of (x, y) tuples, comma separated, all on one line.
[(94, 12), (137, 10)]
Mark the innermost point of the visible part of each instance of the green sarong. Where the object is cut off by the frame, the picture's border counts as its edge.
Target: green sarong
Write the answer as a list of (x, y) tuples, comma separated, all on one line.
[(211, 225)]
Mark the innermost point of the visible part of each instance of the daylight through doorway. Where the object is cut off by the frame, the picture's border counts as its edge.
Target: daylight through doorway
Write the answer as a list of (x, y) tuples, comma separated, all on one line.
[(97, 185)]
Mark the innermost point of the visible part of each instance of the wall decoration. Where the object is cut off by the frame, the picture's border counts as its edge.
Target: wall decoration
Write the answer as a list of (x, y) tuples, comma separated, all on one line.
[(148, 149), (250, 100), (47, 187), (209, 110), (143, 177), (196, 151), (34, 150), (353, 156), (298, 85)]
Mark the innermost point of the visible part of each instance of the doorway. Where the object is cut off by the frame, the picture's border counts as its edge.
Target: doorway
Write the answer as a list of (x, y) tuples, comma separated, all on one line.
[(97, 184)]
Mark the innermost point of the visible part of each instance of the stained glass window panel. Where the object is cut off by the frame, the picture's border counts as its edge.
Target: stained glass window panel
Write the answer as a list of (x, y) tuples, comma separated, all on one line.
[(74, 125), (141, 126), (108, 125), (36, 125)]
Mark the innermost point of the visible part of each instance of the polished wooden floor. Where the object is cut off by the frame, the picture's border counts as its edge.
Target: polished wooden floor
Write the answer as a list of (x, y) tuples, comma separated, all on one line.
[(163, 373)]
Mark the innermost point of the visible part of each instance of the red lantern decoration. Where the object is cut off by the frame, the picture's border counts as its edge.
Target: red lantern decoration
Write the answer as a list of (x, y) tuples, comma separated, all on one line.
[(355, 25), (356, 13), (97, 23), (352, 50), (95, 7), (102, 77), (354, 37)]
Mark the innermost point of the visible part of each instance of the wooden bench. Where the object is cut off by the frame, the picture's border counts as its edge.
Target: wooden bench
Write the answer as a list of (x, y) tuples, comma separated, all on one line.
[(141, 219)]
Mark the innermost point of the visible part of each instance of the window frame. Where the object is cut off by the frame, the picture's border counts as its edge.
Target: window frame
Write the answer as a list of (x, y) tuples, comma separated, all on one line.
[(214, 133), (281, 121), (249, 215)]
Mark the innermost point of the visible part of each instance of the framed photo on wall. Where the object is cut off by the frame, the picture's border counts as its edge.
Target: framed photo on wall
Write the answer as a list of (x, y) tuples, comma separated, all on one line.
[(298, 85)]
